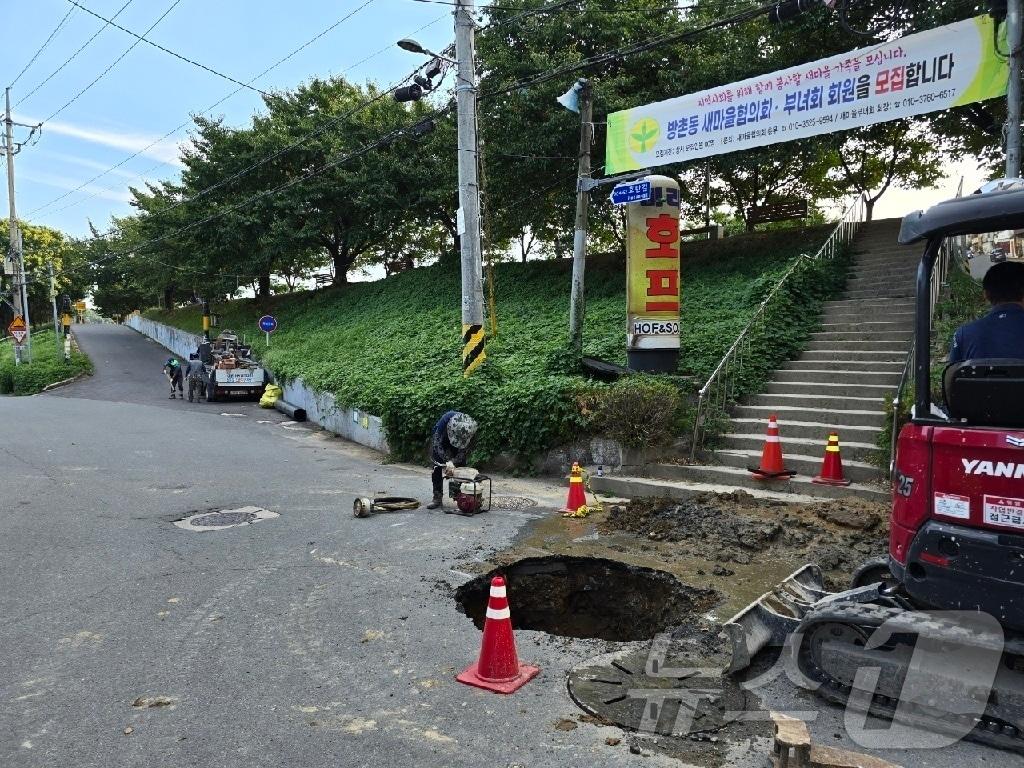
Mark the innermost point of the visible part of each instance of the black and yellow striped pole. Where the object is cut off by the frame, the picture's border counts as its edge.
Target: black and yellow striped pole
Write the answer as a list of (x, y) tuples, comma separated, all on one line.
[(206, 320), (473, 354)]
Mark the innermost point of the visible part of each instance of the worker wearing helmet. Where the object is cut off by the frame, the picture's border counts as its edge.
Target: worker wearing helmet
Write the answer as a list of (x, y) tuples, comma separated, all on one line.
[(172, 370), (449, 444)]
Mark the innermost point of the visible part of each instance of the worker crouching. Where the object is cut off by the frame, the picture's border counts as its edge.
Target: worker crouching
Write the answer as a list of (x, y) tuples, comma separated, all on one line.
[(449, 445)]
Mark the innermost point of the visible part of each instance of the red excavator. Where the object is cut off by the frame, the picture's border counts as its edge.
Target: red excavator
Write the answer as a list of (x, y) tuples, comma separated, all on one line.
[(956, 543)]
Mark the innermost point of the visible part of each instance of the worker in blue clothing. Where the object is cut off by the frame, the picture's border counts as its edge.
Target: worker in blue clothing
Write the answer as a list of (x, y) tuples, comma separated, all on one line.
[(1000, 333), (449, 444)]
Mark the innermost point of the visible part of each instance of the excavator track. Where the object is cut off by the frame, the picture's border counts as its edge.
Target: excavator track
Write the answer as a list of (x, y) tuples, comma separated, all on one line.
[(828, 629)]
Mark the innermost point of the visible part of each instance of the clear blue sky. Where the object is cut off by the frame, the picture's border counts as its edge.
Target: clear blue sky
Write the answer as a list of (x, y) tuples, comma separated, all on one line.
[(148, 93)]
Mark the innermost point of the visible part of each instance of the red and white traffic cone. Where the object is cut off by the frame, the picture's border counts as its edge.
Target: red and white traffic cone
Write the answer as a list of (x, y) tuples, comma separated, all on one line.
[(577, 496), (832, 466), (771, 467), (497, 668)]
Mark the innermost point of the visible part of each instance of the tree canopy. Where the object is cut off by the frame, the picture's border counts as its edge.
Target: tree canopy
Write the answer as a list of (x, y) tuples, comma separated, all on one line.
[(333, 177)]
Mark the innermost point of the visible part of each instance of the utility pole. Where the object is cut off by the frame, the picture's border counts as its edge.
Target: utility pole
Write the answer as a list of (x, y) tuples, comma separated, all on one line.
[(473, 354), (577, 302), (16, 261), (1013, 88), (53, 300)]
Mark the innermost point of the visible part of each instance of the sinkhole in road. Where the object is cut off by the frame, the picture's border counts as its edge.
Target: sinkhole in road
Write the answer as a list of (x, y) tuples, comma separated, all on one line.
[(588, 598)]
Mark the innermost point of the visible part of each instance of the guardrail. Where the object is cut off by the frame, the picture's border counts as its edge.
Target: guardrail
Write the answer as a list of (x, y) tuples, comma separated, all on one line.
[(720, 388)]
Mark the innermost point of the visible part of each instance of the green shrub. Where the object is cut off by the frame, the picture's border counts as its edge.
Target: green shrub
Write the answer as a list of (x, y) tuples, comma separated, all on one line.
[(47, 366), (393, 347), (639, 411)]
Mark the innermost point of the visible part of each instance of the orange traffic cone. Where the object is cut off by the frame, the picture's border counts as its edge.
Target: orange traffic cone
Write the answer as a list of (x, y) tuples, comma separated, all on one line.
[(498, 668), (577, 496), (771, 456), (832, 466)]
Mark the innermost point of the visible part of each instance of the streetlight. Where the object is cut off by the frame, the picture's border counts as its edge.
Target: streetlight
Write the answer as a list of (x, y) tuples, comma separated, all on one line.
[(408, 44), (468, 218)]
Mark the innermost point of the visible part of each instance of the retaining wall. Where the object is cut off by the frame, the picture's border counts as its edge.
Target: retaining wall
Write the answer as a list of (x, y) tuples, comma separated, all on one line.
[(321, 408)]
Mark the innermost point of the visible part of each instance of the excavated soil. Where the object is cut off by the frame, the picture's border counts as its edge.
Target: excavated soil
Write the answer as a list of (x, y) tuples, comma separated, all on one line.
[(739, 529)]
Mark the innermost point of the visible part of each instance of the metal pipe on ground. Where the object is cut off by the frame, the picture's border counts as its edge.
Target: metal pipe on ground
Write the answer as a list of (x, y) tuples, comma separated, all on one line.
[(291, 411)]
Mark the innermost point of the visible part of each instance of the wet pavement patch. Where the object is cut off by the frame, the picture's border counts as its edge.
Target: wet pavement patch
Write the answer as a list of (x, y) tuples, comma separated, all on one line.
[(220, 519), (588, 598)]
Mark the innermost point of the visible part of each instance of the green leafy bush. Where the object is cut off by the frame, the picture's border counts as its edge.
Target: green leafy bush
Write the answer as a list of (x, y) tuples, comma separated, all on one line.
[(47, 366), (639, 411), (393, 347)]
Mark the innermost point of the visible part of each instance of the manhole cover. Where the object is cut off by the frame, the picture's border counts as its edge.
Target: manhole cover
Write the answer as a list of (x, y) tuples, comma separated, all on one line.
[(643, 691), (512, 502), (223, 519), (588, 597), (218, 520)]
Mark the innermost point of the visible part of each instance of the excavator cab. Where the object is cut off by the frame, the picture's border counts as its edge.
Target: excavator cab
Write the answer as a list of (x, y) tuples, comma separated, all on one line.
[(957, 527), (956, 546)]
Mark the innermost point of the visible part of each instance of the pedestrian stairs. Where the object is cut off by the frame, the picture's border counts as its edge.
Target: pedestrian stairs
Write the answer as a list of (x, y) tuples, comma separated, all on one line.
[(839, 384)]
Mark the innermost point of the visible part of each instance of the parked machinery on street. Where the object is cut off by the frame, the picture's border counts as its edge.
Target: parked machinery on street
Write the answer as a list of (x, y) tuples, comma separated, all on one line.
[(231, 372), (950, 658)]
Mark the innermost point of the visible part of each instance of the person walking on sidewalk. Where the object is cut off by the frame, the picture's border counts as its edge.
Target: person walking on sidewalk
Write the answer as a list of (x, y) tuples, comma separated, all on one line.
[(449, 444), (172, 369), (196, 375)]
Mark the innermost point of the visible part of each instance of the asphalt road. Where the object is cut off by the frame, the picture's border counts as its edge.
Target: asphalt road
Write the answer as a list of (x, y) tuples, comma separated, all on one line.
[(311, 639)]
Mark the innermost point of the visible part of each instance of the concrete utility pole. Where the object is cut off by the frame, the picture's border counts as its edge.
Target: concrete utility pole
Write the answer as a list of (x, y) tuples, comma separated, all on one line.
[(53, 300), (16, 260), (577, 303), (473, 354), (1013, 89)]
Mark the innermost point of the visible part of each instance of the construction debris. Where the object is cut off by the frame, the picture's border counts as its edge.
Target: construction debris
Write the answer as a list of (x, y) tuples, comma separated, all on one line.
[(793, 749)]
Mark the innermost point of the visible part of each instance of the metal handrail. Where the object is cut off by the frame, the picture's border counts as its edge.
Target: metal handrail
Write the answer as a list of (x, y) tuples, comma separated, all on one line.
[(720, 386)]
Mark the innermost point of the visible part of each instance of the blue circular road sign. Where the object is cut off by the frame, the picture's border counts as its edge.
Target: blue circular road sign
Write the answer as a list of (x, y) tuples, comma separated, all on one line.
[(268, 323)]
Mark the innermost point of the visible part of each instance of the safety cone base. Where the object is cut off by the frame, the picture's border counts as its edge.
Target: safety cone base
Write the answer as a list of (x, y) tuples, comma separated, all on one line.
[(830, 481), (470, 676), (760, 474)]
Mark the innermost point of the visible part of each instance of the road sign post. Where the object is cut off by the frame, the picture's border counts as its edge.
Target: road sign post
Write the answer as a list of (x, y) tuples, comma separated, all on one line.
[(268, 324), (19, 331)]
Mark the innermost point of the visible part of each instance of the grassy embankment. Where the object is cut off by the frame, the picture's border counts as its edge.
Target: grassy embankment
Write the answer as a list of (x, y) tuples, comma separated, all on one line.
[(47, 366), (392, 347)]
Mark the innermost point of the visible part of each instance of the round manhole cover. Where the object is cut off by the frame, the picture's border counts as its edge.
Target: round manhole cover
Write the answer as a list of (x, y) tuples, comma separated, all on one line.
[(512, 502), (219, 519), (639, 691), (223, 519)]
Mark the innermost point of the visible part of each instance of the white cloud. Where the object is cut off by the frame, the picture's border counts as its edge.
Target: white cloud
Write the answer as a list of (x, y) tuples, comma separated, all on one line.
[(86, 163), (166, 151), (64, 182)]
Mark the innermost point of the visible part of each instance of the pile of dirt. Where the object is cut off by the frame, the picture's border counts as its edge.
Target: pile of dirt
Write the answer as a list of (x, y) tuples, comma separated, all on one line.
[(738, 528)]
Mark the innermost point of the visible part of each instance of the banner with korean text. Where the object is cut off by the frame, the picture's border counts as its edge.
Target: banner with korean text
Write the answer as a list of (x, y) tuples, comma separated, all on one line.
[(925, 72)]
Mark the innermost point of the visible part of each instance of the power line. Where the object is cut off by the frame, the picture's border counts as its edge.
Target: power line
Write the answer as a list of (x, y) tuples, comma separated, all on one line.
[(60, 25), (605, 57), (213, 106), (142, 39), (384, 140), (72, 57), (116, 61)]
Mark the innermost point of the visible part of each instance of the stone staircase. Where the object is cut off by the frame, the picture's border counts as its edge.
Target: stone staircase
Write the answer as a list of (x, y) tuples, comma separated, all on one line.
[(839, 383)]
